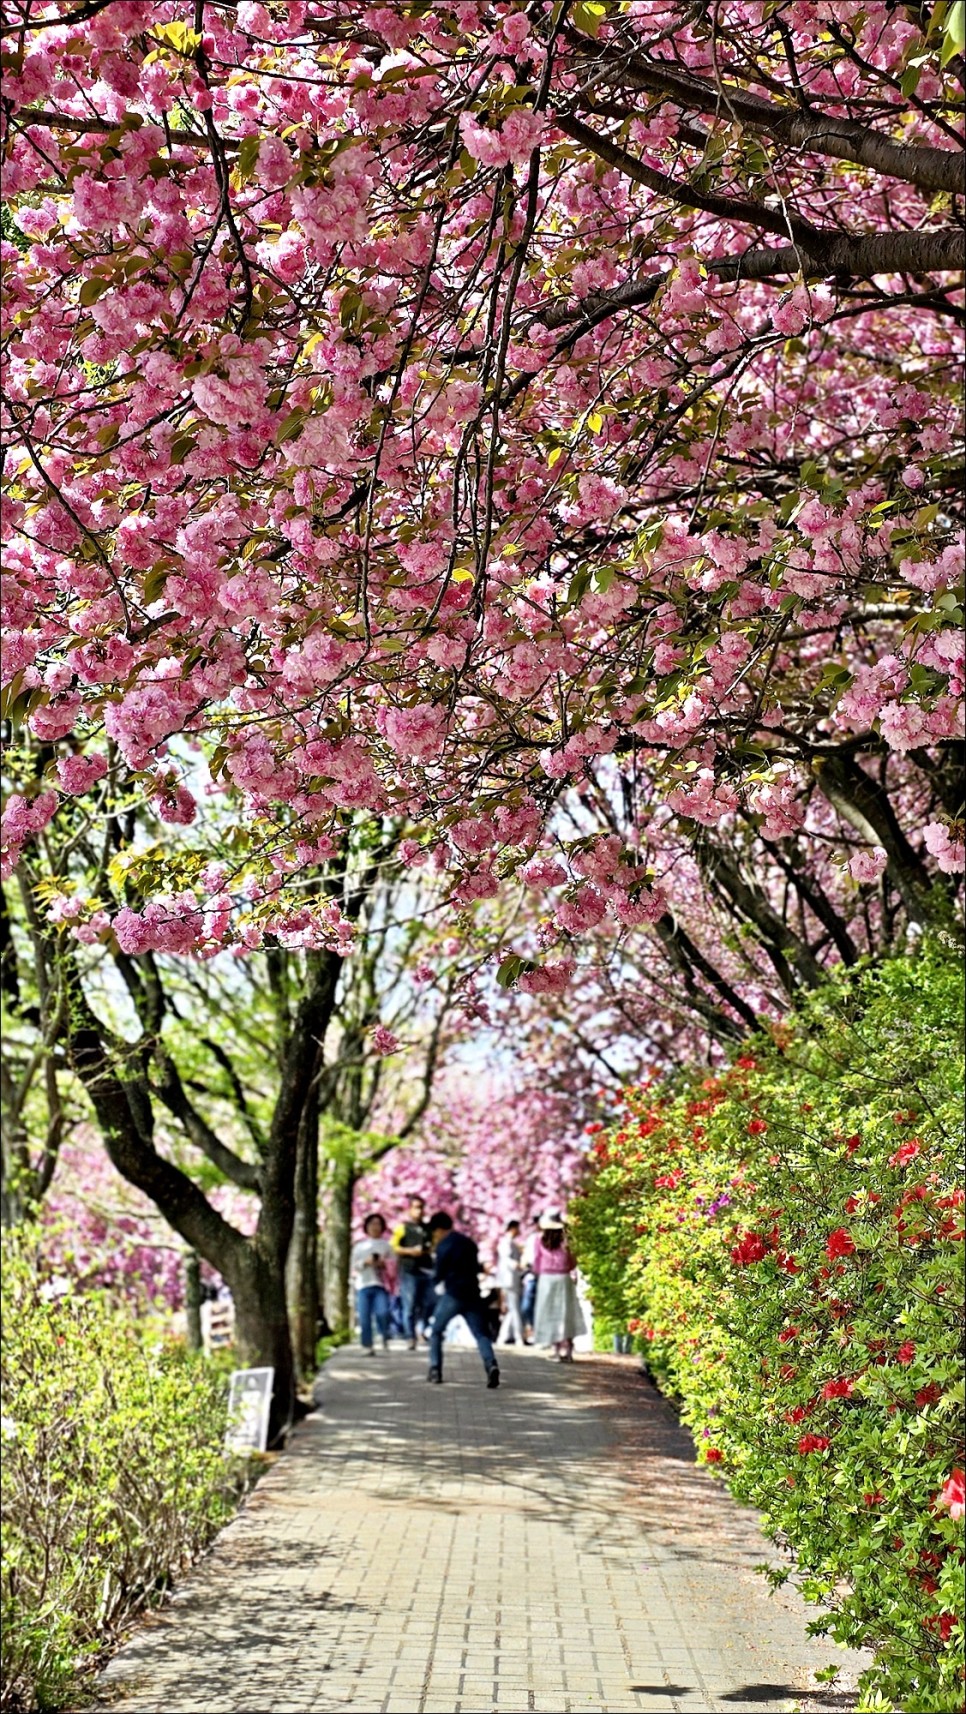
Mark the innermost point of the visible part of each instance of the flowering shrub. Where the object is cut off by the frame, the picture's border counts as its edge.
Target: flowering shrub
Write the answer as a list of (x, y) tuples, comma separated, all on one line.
[(113, 1475), (792, 1228)]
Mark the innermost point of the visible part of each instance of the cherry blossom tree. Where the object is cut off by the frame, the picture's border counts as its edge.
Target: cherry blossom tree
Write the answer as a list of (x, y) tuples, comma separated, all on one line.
[(416, 406), (489, 1150), (534, 422)]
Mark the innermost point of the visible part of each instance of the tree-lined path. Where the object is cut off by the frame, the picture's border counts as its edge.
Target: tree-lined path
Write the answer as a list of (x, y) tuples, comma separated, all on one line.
[(550, 1547)]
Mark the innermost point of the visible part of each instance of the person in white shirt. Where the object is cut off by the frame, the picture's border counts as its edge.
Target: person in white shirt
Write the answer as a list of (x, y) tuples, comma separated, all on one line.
[(509, 1276), (367, 1264)]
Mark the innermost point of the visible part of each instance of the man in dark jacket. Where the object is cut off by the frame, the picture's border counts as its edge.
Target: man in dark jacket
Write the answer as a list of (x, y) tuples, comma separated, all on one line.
[(457, 1278)]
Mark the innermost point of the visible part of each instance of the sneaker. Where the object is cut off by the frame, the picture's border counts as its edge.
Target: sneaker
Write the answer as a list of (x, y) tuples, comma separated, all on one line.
[(435, 1375), (493, 1376), (411, 1345)]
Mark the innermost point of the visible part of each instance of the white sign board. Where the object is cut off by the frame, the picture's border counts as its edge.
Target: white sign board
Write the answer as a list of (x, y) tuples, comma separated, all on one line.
[(249, 1402)]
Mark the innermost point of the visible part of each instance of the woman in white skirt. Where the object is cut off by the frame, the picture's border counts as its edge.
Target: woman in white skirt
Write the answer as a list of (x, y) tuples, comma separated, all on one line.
[(557, 1318)]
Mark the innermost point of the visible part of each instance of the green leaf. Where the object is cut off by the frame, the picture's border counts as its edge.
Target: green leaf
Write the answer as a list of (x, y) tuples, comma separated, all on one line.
[(509, 971), (954, 32), (247, 156), (290, 426), (154, 583), (588, 17), (92, 289), (579, 585)]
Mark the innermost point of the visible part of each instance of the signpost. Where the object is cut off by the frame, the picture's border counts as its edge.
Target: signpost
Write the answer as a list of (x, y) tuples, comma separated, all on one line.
[(249, 1402)]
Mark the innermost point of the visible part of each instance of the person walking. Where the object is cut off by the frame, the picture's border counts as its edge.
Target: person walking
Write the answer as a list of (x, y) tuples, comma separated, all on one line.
[(457, 1281), (509, 1278), (410, 1244), (557, 1317), (368, 1264)]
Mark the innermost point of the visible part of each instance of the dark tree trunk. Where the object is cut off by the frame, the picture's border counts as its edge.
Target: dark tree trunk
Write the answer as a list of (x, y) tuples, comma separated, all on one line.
[(192, 1300), (262, 1338), (337, 1243), (114, 1073), (302, 1267)]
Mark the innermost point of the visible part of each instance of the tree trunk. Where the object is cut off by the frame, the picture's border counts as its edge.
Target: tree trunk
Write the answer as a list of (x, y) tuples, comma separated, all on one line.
[(336, 1244), (262, 1338), (302, 1267), (192, 1299)]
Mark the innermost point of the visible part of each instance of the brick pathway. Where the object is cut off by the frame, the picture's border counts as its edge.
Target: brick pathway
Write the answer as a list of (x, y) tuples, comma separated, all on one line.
[(550, 1546)]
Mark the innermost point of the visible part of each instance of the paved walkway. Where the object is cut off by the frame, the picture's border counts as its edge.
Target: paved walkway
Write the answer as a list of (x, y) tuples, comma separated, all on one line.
[(550, 1546)]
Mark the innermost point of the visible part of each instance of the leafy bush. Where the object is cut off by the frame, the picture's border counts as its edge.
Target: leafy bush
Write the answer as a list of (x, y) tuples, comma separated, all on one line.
[(113, 1473), (785, 1240)]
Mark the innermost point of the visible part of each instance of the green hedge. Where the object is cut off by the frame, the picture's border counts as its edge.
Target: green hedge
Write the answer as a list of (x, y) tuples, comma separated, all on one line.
[(113, 1475), (785, 1239)]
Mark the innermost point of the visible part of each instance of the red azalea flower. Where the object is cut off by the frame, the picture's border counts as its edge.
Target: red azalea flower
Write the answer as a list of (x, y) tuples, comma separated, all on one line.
[(928, 1395), (906, 1153), (842, 1389), (852, 1144), (952, 1495), (840, 1243), (757, 1128), (906, 1351), (874, 1499), (713, 1456), (750, 1248), (789, 1333), (813, 1443)]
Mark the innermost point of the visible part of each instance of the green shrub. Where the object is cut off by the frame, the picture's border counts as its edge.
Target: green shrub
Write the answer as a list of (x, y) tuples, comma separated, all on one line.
[(785, 1241), (113, 1475)]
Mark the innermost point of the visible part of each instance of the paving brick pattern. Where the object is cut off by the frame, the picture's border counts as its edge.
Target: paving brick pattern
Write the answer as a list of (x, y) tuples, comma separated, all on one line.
[(439, 1550)]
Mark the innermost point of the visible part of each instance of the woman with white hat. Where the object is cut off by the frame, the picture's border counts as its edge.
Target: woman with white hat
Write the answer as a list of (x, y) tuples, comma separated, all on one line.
[(558, 1317)]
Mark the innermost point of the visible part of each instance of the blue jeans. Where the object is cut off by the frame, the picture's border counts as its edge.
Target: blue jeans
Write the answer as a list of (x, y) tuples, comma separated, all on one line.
[(447, 1309), (418, 1302), (529, 1299), (372, 1302)]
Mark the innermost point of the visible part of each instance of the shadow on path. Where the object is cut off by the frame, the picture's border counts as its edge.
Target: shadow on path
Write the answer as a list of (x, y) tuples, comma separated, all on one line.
[(550, 1546)]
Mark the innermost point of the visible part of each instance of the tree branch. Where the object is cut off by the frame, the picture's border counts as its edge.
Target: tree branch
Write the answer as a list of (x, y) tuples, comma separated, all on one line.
[(914, 253), (929, 168)]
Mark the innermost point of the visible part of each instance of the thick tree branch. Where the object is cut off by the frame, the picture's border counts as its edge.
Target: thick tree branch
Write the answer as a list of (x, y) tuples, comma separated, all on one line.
[(728, 207), (786, 950), (169, 1089), (915, 253), (686, 959), (863, 803), (817, 133)]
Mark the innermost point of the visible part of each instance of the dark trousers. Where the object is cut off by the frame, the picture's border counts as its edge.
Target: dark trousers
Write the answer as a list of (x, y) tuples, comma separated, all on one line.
[(447, 1309), (418, 1302)]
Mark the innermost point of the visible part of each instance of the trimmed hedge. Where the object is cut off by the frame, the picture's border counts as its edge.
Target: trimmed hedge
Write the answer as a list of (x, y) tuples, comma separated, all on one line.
[(785, 1240), (113, 1473)]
